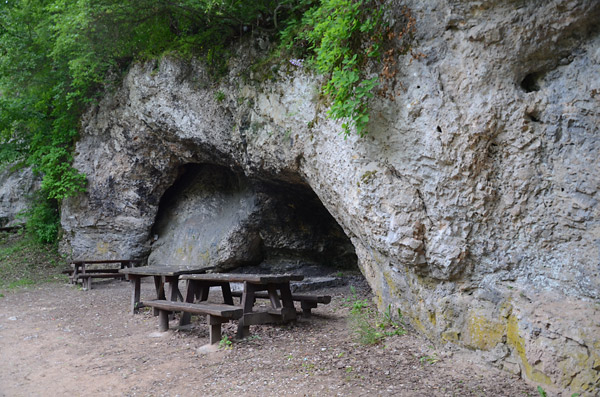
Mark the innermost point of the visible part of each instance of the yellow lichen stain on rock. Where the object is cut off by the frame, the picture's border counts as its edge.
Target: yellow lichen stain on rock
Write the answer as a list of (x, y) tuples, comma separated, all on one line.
[(379, 299), (102, 248), (516, 341), (427, 282), (485, 333), (390, 283), (414, 320), (451, 336), (587, 380), (205, 256), (432, 318)]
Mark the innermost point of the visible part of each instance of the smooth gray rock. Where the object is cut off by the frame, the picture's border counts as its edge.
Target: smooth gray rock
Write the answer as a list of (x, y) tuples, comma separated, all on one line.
[(212, 217)]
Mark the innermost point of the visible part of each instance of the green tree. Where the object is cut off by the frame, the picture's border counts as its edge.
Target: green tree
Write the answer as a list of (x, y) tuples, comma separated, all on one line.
[(58, 57)]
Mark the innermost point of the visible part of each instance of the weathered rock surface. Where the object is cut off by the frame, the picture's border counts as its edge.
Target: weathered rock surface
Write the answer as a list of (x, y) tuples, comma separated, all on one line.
[(213, 217), (472, 204), (17, 186)]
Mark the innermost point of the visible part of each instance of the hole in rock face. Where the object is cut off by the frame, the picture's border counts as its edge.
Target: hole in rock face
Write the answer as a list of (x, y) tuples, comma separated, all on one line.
[(534, 117), (212, 216), (531, 82)]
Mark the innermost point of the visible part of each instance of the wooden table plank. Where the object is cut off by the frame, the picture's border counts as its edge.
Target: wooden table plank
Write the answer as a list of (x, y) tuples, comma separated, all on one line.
[(241, 277), (98, 261), (157, 270)]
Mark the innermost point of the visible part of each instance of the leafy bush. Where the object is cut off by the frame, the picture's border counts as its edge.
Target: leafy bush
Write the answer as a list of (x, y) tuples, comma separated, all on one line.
[(339, 37), (43, 220), (57, 57)]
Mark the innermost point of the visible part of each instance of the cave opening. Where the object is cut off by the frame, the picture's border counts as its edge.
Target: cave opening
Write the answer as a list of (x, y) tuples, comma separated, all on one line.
[(214, 217)]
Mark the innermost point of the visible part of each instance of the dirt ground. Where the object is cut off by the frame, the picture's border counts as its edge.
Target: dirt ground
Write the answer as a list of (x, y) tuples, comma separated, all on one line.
[(57, 340)]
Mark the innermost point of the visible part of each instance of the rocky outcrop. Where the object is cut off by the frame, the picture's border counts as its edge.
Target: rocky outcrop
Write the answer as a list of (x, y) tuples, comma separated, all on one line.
[(17, 188), (472, 204)]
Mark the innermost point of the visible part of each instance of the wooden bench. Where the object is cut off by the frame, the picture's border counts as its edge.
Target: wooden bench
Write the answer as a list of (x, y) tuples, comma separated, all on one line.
[(307, 301), (80, 271), (86, 279), (112, 271), (217, 314)]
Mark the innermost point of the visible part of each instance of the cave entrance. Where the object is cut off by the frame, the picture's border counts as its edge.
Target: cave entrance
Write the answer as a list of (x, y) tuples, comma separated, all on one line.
[(212, 216)]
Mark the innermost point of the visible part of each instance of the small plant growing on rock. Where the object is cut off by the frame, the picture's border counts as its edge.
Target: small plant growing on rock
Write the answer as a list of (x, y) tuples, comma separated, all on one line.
[(220, 96), (369, 326)]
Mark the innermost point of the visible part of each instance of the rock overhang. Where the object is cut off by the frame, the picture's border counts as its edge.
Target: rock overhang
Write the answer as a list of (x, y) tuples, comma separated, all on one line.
[(475, 187)]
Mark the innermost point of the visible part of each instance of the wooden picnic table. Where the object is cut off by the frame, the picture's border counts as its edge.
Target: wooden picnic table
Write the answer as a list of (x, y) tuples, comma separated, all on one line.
[(162, 275), (277, 286), (80, 272)]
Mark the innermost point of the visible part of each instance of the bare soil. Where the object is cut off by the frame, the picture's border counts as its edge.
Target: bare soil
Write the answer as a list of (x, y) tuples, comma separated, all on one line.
[(57, 340)]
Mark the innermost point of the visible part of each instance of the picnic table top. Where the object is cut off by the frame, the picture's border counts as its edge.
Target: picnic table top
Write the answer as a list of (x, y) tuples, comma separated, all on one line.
[(90, 262), (241, 277), (160, 270)]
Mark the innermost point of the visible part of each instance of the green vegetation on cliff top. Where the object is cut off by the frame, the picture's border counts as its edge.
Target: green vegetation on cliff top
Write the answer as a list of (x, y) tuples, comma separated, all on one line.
[(58, 57)]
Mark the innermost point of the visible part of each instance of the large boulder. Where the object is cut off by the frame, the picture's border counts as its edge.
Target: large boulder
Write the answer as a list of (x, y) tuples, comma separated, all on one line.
[(472, 204)]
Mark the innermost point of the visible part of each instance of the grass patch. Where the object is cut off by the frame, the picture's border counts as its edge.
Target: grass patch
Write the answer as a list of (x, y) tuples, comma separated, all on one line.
[(24, 261), (368, 325)]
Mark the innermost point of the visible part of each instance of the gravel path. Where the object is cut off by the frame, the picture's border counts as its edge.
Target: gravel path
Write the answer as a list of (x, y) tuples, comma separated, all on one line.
[(56, 340)]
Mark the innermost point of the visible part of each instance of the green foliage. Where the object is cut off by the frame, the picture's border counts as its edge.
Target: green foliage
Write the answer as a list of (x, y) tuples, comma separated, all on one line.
[(43, 220), (541, 391), (368, 326), (24, 261), (220, 96), (343, 35), (57, 57), (429, 359), (225, 343)]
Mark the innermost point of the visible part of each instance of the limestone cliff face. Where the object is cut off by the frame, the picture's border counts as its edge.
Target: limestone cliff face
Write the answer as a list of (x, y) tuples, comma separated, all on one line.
[(17, 187), (472, 204)]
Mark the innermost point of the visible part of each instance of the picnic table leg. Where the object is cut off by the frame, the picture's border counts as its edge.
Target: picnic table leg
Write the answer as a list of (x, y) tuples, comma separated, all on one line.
[(74, 274), (159, 286), (215, 329), (226, 290), (174, 293), (203, 288), (163, 320), (273, 296), (189, 298), (135, 293), (289, 312), (87, 283), (247, 304), (307, 307)]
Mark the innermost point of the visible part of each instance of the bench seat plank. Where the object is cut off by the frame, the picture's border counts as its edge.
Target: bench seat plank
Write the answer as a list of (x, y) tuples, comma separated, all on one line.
[(323, 299), (213, 309), (217, 314), (307, 301), (100, 275)]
